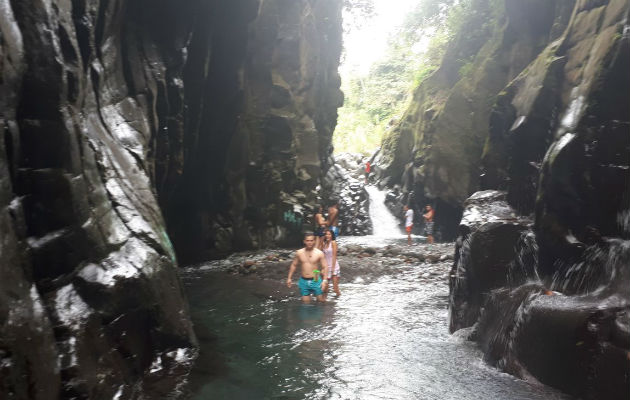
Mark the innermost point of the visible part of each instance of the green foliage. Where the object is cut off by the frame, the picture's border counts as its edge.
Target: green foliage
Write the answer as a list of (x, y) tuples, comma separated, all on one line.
[(422, 73), (356, 13), (466, 69), (373, 101), (426, 14), (457, 16)]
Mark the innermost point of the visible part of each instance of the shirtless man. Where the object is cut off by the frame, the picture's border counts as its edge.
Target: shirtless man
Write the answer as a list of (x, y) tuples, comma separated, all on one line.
[(428, 223), (321, 226), (333, 217), (311, 281)]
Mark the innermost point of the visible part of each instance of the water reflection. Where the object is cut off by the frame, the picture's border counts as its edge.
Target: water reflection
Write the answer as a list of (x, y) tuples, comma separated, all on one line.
[(385, 338)]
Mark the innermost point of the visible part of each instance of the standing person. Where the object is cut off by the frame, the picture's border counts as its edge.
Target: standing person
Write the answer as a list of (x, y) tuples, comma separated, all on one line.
[(310, 281), (428, 223), (320, 226), (333, 217), (368, 169), (329, 247), (408, 222)]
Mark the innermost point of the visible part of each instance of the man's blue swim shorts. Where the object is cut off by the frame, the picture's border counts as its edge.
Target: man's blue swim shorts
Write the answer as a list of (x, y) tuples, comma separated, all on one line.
[(335, 230), (310, 286)]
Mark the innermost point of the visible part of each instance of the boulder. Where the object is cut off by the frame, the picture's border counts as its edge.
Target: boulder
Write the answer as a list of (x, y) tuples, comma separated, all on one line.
[(489, 232), (345, 186)]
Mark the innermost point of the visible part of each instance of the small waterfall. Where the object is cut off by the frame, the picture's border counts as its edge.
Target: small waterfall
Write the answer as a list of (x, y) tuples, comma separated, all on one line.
[(603, 268), (623, 220), (383, 222), (524, 267)]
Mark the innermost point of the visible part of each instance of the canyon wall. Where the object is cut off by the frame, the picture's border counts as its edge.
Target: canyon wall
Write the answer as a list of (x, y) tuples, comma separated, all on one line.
[(541, 265), (128, 124), (260, 109), (433, 154)]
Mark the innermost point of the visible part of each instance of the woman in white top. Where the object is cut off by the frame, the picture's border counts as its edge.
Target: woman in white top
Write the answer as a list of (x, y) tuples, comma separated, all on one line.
[(408, 222), (329, 247)]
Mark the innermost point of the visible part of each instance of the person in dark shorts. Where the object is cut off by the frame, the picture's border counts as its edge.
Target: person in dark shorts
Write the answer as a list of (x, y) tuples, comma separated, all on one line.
[(320, 226), (428, 223)]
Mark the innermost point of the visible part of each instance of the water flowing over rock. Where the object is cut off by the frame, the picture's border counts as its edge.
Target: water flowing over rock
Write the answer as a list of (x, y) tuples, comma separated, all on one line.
[(489, 232), (120, 118), (568, 329), (559, 148), (539, 260)]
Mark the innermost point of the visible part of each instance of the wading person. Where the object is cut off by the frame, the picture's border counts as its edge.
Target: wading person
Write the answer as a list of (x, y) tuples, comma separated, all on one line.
[(408, 222), (368, 169), (428, 223), (333, 217), (329, 247), (320, 226), (308, 258)]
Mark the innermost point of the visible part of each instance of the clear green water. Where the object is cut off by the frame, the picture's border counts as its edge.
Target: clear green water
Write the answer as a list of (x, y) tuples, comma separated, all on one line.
[(385, 338)]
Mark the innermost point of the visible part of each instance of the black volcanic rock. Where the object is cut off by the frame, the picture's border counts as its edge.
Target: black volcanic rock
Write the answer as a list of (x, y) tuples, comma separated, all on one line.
[(101, 312), (559, 146), (261, 99), (489, 232), (120, 118)]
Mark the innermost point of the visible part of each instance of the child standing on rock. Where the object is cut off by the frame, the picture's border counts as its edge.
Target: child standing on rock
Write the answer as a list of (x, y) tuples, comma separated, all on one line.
[(408, 222)]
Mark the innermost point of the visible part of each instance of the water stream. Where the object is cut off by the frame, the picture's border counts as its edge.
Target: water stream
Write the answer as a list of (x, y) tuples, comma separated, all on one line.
[(386, 227), (383, 222), (386, 337)]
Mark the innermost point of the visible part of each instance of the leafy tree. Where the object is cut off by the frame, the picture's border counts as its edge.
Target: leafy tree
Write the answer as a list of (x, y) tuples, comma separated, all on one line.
[(372, 101), (356, 13)]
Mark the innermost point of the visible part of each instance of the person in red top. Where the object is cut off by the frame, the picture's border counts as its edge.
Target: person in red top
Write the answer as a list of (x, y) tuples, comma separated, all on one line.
[(368, 169)]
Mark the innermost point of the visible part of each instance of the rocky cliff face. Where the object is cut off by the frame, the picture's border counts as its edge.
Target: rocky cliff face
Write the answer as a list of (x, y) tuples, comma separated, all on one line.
[(548, 291), (434, 153), (116, 117), (260, 113)]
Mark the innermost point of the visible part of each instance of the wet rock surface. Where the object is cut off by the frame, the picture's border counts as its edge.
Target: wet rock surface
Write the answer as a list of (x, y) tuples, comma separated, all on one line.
[(120, 119), (261, 99), (555, 137), (537, 261), (489, 232), (562, 328), (96, 308)]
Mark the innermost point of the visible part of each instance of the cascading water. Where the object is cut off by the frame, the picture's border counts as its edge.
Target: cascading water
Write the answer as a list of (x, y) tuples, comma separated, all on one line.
[(383, 222), (385, 228), (603, 266), (524, 267), (575, 319)]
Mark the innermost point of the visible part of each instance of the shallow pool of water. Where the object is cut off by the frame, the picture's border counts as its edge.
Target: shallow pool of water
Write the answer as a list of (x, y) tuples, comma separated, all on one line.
[(385, 338)]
